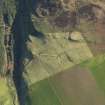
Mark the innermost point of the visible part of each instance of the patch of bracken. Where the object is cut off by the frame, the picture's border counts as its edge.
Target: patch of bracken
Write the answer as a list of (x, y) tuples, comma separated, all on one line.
[(86, 12), (48, 7), (66, 19), (92, 12)]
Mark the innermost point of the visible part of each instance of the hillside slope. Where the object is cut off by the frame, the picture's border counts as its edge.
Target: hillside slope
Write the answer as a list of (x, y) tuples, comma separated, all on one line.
[(52, 52)]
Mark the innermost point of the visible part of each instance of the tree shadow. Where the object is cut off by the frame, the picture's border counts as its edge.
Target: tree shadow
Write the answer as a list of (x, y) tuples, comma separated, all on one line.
[(21, 29)]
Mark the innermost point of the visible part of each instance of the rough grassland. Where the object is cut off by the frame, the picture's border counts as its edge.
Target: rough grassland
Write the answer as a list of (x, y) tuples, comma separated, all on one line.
[(54, 54), (6, 97)]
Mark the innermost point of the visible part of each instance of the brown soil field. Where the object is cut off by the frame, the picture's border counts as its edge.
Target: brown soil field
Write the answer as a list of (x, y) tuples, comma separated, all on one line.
[(97, 47), (77, 87)]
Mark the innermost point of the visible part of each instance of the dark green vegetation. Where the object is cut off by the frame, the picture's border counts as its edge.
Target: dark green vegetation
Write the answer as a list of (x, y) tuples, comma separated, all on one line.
[(8, 94), (1, 51), (7, 14), (8, 9)]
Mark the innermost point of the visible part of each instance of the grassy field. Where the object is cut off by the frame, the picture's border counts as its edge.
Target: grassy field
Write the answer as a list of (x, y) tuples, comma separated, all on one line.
[(6, 98), (97, 66), (43, 94), (82, 85)]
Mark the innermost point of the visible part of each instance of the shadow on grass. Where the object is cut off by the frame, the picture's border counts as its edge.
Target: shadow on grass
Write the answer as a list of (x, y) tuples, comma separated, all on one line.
[(21, 29)]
